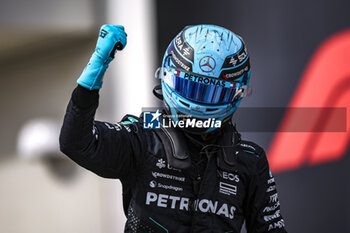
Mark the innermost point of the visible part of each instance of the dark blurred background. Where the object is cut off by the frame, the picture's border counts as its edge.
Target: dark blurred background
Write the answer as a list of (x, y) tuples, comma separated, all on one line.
[(46, 44)]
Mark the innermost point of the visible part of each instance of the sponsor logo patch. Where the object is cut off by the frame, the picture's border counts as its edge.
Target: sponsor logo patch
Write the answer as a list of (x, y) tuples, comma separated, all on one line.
[(168, 176), (273, 197), (275, 225), (271, 208), (152, 184), (229, 176), (186, 204), (268, 218), (160, 163), (227, 189)]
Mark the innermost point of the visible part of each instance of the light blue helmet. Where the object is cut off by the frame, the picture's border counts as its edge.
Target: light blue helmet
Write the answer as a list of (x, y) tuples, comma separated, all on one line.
[(205, 73)]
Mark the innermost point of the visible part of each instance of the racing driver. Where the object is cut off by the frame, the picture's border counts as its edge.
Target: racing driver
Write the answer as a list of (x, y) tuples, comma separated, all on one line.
[(201, 177)]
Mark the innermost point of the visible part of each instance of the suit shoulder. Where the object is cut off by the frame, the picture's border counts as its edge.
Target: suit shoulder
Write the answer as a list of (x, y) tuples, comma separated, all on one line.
[(129, 119), (251, 148)]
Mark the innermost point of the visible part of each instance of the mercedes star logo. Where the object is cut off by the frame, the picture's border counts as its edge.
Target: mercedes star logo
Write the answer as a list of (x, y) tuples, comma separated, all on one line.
[(207, 64)]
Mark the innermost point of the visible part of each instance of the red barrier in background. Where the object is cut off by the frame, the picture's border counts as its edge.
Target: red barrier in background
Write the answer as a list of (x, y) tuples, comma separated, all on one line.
[(325, 83)]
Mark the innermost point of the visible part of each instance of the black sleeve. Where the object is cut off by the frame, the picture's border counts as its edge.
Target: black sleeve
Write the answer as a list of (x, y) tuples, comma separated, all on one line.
[(109, 150), (263, 213)]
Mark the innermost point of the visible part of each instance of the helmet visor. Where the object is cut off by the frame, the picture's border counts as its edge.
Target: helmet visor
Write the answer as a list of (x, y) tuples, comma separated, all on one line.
[(202, 89)]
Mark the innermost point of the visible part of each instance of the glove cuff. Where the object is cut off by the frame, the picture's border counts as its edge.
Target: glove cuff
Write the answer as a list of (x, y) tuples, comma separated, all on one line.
[(92, 76)]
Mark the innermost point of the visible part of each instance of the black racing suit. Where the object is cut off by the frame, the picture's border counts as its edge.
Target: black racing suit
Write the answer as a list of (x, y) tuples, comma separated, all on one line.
[(225, 183)]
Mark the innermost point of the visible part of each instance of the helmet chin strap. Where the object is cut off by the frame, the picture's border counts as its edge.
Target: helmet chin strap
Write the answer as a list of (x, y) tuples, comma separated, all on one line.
[(157, 92)]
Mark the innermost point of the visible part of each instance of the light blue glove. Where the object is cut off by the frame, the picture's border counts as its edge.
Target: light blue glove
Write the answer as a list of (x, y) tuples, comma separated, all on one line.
[(111, 38)]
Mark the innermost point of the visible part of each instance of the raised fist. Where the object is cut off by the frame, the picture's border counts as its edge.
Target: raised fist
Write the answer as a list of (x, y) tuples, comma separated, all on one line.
[(110, 39)]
